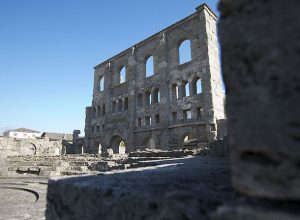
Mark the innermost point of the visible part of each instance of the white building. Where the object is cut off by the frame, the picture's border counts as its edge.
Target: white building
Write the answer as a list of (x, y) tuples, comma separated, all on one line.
[(22, 133)]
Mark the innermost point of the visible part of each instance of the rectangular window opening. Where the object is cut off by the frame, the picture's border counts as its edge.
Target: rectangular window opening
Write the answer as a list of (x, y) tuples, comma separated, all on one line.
[(103, 110), (187, 114), (120, 105), (157, 120), (213, 127), (148, 121), (199, 112), (126, 104), (114, 107), (98, 111), (174, 117)]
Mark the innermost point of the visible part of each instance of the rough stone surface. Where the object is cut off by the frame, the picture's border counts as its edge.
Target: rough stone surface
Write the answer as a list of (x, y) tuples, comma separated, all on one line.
[(60, 165), (250, 213), (219, 148), (222, 129), (179, 189), (116, 115), (261, 62), (32, 165), (15, 153), (21, 147)]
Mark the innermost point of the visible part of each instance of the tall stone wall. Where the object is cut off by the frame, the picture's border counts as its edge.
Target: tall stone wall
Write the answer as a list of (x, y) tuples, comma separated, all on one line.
[(222, 129), (216, 85), (109, 120)]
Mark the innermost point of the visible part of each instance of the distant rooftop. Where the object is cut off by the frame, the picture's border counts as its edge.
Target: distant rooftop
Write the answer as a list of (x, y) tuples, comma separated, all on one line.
[(57, 136), (24, 130)]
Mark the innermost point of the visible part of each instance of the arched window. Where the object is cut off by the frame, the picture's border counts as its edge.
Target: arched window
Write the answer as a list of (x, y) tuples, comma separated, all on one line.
[(122, 148), (174, 91), (101, 84), (99, 148), (123, 75), (186, 89), (149, 66), (151, 143), (198, 86), (140, 100), (185, 52), (186, 139), (156, 96)]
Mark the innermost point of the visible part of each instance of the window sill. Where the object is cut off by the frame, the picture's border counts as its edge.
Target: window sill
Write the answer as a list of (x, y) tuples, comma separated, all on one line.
[(184, 65)]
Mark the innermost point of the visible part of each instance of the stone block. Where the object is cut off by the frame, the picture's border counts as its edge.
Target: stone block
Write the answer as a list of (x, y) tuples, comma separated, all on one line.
[(181, 189), (260, 59), (250, 213)]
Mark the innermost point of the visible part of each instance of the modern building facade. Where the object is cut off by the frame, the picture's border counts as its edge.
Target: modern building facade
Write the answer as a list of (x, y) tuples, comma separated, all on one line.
[(22, 133), (160, 92)]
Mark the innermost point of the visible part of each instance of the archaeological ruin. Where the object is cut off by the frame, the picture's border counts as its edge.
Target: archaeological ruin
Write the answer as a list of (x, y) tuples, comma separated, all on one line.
[(161, 92), (156, 144), (260, 61)]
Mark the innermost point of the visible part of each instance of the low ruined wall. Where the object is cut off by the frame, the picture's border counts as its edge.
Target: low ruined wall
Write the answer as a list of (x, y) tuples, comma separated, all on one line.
[(3, 158), (16, 153), (19, 147), (219, 148)]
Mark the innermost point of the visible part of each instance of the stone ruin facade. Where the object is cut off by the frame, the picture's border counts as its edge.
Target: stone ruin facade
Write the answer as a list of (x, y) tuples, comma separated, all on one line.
[(260, 57), (148, 97)]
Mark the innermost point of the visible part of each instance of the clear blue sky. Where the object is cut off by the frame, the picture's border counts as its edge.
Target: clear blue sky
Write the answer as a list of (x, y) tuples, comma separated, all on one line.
[(48, 49)]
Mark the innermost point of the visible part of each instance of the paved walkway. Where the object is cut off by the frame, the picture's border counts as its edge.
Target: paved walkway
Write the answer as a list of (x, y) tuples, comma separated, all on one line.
[(23, 198)]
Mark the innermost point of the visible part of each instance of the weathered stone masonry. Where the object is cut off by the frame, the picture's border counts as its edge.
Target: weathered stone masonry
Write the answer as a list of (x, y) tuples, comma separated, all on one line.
[(260, 55), (160, 110)]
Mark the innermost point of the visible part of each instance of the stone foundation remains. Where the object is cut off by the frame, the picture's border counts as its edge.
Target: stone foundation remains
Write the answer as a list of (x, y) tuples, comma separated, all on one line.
[(32, 158)]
